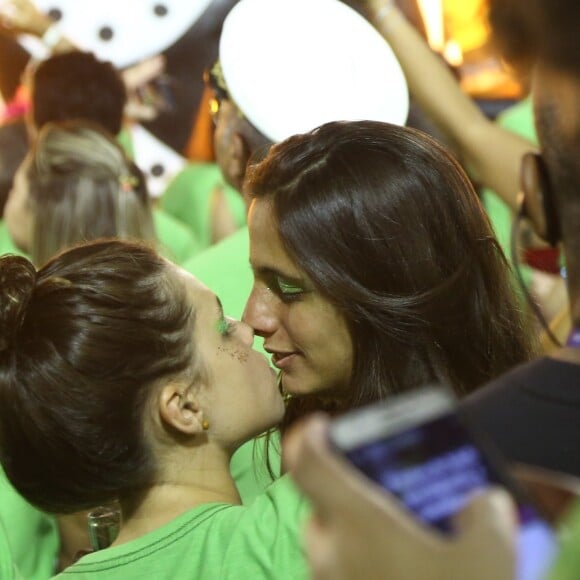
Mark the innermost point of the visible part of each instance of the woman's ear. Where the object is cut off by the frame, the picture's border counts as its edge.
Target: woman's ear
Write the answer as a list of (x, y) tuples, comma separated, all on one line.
[(539, 206), (179, 409)]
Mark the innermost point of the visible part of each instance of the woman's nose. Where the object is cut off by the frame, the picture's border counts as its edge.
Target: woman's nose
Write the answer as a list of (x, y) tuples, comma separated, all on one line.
[(260, 312)]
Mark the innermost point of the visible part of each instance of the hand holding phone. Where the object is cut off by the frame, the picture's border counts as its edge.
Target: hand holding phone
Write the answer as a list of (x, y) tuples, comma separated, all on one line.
[(418, 448), (358, 531)]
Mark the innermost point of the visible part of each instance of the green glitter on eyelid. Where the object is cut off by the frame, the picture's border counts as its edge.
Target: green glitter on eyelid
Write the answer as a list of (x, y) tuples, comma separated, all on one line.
[(287, 288)]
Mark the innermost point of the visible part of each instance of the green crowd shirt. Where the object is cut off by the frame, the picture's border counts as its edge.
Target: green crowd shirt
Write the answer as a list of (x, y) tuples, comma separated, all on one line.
[(214, 541)]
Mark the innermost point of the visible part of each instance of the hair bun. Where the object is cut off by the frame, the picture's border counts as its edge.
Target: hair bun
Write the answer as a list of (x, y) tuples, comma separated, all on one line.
[(17, 283)]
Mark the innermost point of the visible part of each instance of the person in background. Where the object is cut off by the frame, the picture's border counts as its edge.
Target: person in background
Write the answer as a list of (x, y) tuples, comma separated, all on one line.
[(75, 85), (75, 185), (14, 146), (490, 151), (544, 392)]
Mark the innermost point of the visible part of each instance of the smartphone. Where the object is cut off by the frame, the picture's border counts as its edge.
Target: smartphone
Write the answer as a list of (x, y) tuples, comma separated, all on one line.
[(418, 448)]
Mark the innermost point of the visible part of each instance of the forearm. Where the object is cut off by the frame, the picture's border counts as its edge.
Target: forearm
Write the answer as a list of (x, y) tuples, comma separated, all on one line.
[(22, 17), (490, 152), (430, 81)]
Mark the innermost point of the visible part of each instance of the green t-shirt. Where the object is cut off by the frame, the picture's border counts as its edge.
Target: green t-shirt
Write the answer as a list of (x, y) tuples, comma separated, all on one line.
[(6, 244), (225, 268), (518, 119), (8, 569), (33, 536), (567, 564), (189, 195), (125, 140), (249, 467), (176, 242), (215, 542)]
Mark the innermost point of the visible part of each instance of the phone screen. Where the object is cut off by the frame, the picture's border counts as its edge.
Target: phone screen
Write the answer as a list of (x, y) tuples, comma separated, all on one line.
[(434, 468)]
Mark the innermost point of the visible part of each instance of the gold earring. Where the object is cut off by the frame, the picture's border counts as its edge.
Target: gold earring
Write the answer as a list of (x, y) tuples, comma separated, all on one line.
[(205, 424)]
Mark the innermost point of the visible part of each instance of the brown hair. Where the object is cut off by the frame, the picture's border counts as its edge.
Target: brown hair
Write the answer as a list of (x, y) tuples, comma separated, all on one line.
[(388, 227), (76, 85), (82, 343)]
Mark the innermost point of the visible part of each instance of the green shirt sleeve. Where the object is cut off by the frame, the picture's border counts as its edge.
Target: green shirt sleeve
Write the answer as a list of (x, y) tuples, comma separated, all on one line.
[(518, 119), (32, 544), (6, 244), (188, 198), (567, 565), (176, 242)]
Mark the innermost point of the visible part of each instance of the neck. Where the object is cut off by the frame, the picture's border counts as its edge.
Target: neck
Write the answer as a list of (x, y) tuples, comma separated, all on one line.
[(180, 489)]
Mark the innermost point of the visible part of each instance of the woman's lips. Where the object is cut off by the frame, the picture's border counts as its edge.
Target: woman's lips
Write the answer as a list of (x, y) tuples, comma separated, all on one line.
[(282, 360)]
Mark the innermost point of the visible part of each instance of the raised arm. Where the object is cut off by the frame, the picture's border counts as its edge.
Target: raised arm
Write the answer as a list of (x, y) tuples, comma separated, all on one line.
[(23, 17), (492, 154)]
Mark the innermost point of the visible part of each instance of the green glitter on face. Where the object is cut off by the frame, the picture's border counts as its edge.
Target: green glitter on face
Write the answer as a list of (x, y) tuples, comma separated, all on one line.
[(223, 327)]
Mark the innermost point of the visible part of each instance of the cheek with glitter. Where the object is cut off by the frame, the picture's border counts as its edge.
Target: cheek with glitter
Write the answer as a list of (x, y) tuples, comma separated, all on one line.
[(234, 353)]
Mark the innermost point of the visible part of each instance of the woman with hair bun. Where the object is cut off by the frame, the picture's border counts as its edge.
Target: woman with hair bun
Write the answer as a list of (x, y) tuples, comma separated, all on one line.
[(74, 185), (120, 379)]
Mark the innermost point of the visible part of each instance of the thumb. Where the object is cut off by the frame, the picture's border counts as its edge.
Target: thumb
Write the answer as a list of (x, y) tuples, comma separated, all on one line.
[(488, 512), (487, 533)]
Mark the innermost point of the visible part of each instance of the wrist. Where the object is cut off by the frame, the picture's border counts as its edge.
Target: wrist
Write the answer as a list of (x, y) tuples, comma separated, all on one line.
[(51, 36), (385, 15), (38, 25), (383, 10)]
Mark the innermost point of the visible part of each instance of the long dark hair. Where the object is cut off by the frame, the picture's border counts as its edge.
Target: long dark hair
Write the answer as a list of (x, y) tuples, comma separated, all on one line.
[(82, 343), (388, 227)]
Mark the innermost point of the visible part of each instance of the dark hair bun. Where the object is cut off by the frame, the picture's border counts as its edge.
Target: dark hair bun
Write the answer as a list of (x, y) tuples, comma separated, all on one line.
[(17, 282)]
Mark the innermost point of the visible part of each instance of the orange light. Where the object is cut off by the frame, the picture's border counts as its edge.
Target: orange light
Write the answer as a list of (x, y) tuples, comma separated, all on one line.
[(453, 53), (465, 22), (432, 14)]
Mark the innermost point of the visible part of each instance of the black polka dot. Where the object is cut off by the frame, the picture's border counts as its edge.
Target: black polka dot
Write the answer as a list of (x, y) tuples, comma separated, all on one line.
[(157, 170), (55, 14), (160, 10), (106, 33)]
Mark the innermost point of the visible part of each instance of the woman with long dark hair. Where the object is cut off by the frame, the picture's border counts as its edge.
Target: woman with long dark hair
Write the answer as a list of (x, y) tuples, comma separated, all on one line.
[(376, 269)]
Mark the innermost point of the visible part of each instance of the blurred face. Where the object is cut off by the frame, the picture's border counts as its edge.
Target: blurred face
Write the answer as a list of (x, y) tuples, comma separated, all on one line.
[(241, 398), (306, 335), (226, 142), (18, 214), (556, 96)]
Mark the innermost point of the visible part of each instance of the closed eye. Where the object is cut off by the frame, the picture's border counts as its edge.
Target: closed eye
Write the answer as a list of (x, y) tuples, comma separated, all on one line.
[(287, 290)]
